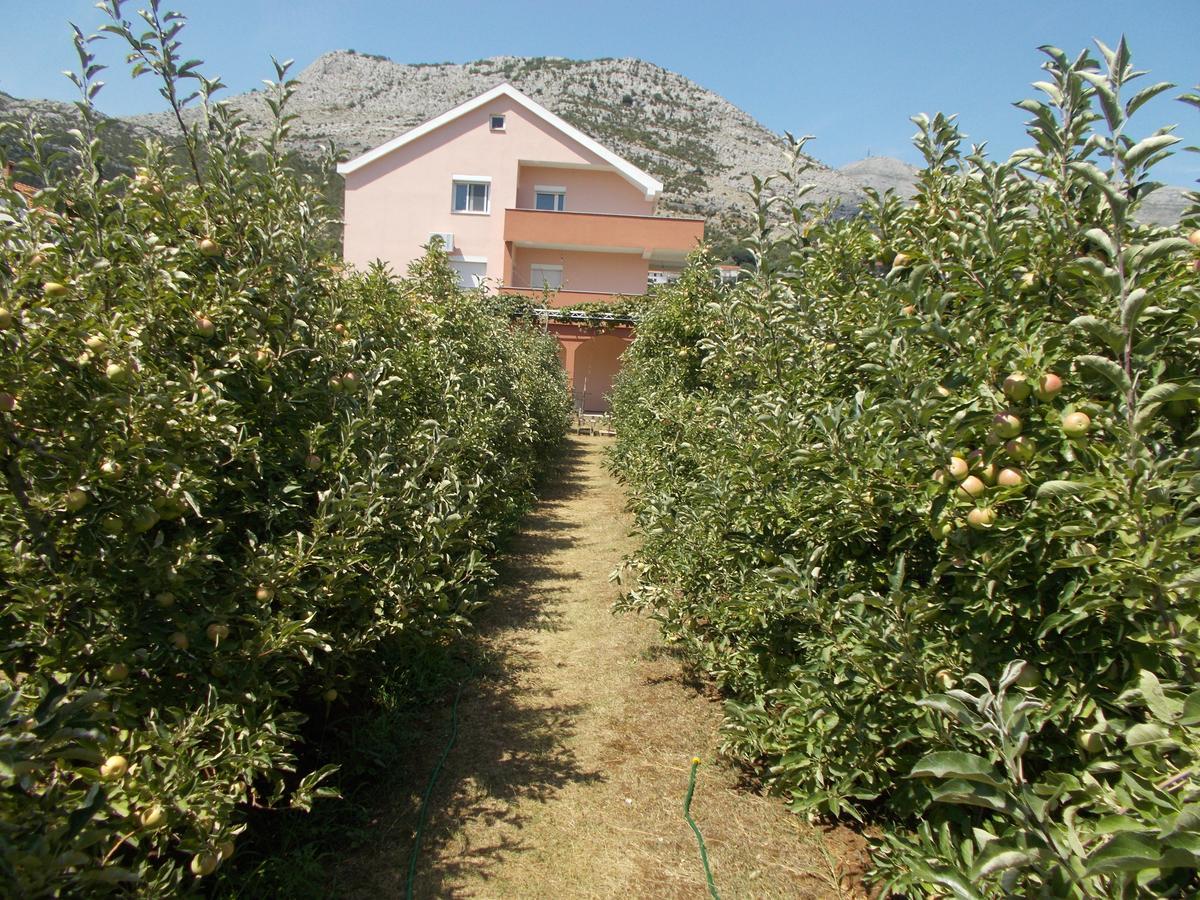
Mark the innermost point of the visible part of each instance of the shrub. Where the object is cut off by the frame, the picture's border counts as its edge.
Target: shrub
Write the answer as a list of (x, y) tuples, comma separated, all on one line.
[(239, 484), (788, 443)]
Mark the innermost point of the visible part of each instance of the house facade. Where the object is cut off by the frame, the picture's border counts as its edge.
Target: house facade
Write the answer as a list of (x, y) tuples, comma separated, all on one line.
[(523, 203)]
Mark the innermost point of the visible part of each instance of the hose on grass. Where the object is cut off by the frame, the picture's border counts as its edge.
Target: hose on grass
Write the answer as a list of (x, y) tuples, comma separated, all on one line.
[(424, 813), (687, 814)]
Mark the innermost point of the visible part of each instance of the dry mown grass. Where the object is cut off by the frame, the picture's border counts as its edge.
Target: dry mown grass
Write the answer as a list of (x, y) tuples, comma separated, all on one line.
[(574, 745)]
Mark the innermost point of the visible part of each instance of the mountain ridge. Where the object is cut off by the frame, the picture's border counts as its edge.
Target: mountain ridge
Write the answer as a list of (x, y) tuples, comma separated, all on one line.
[(700, 145), (705, 149)]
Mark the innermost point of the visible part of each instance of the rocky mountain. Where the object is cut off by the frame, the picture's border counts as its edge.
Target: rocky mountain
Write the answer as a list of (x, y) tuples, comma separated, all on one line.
[(883, 173), (700, 145), (123, 138), (1165, 206)]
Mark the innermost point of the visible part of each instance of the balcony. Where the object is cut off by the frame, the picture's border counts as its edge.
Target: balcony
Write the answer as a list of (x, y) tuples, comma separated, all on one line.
[(656, 238), (557, 298)]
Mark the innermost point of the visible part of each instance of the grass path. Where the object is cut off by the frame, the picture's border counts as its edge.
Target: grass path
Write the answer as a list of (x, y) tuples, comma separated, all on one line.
[(573, 748)]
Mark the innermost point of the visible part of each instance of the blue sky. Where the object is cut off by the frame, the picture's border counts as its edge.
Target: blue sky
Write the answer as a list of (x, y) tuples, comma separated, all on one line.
[(850, 72)]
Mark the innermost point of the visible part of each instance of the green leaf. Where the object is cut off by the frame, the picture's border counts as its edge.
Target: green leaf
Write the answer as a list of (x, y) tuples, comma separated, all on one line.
[(1163, 247), (1186, 821), (1059, 488), (1144, 148), (1101, 239), (1163, 707), (1116, 824), (1166, 391), (1126, 852), (998, 856), (969, 793), (81, 815), (1145, 94), (1102, 330), (1106, 367), (1145, 733), (956, 764), (948, 706), (1191, 709), (1131, 309), (945, 878)]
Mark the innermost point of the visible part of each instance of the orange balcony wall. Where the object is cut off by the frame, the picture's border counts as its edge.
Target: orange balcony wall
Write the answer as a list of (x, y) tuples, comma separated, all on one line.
[(649, 235)]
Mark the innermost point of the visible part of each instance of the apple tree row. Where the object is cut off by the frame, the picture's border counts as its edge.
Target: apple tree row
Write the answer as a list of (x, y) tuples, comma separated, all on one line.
[(922, 497), (238, 485)]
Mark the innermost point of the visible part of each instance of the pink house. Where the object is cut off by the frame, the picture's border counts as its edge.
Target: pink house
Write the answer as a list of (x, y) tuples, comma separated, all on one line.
[(523, 202)]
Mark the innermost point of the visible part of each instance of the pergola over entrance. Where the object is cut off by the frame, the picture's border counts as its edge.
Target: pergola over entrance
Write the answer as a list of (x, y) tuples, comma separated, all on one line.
[(592, 358)]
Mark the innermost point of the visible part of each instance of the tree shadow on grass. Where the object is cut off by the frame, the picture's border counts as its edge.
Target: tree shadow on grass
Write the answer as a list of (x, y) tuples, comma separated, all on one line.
[(513, 740)]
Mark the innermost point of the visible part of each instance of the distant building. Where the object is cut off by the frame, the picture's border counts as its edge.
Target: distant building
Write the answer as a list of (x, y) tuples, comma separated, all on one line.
[(730, 274), (523, 202)]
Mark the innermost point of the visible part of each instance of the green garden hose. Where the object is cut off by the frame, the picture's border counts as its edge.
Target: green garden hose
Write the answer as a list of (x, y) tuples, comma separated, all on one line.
[(424, 813), (687, 814)]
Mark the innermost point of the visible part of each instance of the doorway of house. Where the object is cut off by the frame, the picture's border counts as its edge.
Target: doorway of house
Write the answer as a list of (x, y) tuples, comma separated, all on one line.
[(597, 362)]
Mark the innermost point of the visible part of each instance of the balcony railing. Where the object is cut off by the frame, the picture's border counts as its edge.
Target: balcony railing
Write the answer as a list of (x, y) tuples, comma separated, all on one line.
[(557, 298), (601, 231)]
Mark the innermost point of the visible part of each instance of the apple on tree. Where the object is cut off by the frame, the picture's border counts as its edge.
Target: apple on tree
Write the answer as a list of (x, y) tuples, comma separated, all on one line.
[(1009, 477), (1017, 387), (959, 469), (1048, 387), (1007, 425), (972, 486), (114, 767), (152, 816), (981, 518), (204, 864), (205, 327), (1075, 425)]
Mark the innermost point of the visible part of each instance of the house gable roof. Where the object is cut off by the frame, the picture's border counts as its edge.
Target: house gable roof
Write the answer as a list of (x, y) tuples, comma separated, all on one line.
[(650, 186)]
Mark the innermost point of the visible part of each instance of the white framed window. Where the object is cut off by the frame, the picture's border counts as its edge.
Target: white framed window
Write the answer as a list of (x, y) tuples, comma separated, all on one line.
[(545, 276), (472, 270), (549, 197), (472, 194), (497, 120)]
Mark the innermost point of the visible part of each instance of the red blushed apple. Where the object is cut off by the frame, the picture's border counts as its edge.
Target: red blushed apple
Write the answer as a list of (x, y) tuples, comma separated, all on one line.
[(1009, 478), (1048, 387)]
